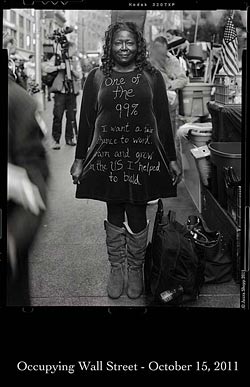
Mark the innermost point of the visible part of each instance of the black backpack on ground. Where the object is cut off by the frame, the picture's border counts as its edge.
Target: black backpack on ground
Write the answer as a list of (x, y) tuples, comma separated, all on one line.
[(174, 263)]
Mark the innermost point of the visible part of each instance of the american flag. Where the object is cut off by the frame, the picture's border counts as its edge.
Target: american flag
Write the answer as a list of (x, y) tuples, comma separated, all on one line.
[(229, 51)]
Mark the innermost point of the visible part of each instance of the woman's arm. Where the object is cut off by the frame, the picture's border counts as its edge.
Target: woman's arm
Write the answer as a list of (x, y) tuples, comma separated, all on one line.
[(87, 116)]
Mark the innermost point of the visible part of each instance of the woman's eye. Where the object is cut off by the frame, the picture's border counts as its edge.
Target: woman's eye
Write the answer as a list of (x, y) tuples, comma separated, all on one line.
[(118, 43)]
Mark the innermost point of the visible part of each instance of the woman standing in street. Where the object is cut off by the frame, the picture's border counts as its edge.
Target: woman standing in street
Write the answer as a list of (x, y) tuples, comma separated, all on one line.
[(125, 154)]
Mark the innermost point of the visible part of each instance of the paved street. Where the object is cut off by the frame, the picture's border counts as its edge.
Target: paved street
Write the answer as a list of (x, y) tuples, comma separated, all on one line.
[(68, 262)]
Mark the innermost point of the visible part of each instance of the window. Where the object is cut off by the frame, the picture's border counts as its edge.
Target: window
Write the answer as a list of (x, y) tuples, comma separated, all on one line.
[(13, 17), (28, 25), (21, 40), (21, 21), (13, 33), (28, 42)]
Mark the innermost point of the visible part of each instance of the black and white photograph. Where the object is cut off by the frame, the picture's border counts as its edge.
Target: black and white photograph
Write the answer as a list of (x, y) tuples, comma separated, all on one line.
[(125, 151)]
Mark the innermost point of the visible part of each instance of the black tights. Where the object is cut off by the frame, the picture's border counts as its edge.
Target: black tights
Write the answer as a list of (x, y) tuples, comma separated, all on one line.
[(136, 215)]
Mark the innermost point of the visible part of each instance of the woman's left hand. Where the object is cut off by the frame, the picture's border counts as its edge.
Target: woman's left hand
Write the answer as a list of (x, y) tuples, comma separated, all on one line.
[(175, 172), (76, 170)]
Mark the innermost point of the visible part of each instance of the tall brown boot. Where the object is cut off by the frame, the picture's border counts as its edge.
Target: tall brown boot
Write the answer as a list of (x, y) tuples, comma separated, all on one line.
[(136, 250), (116, 248)]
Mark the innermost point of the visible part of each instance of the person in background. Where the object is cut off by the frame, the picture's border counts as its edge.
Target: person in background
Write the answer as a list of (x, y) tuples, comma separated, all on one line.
[(9, 44), (173, 35), (175, 80), (27, 188), (45, 87), (173, 74), (28, 174), (21, 74), (170, 36), (182, 50), (30, 68), (86, 67), (124, 115), (64, 99), (242, 43)]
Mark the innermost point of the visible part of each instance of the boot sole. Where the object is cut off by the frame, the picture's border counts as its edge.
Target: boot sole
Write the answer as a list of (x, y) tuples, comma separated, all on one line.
[(115, 297), (134, 298)]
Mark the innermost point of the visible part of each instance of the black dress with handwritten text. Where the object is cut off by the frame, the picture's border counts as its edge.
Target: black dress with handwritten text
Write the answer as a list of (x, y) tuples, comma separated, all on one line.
[(125, 137)]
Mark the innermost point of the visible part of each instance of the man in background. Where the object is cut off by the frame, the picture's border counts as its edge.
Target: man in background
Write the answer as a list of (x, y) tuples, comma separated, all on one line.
[(64, 98)]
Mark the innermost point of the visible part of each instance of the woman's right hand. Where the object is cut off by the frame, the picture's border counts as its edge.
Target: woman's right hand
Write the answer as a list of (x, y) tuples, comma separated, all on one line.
[(76, 170)]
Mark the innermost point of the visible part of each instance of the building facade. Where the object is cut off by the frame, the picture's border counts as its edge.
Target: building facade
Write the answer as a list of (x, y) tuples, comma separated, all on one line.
[(158, 22), (50, 21), (91, 27), (21, 24)]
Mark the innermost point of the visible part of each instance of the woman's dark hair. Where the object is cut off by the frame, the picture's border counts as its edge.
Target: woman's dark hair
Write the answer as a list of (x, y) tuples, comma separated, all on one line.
[(141, 61)]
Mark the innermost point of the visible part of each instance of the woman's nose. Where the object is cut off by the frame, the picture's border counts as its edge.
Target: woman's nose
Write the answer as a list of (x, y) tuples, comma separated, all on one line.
[(124, 46)]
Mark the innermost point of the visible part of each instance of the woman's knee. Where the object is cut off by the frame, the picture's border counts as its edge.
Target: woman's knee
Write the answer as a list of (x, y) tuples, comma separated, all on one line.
[(137, 217), (115, 214)]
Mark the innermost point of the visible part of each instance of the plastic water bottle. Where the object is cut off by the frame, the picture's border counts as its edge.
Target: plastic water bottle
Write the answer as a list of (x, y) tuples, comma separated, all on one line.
[(171, 294)]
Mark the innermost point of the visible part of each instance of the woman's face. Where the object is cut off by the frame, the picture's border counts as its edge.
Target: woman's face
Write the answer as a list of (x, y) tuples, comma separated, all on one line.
[(169, 36), (124, 48)]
